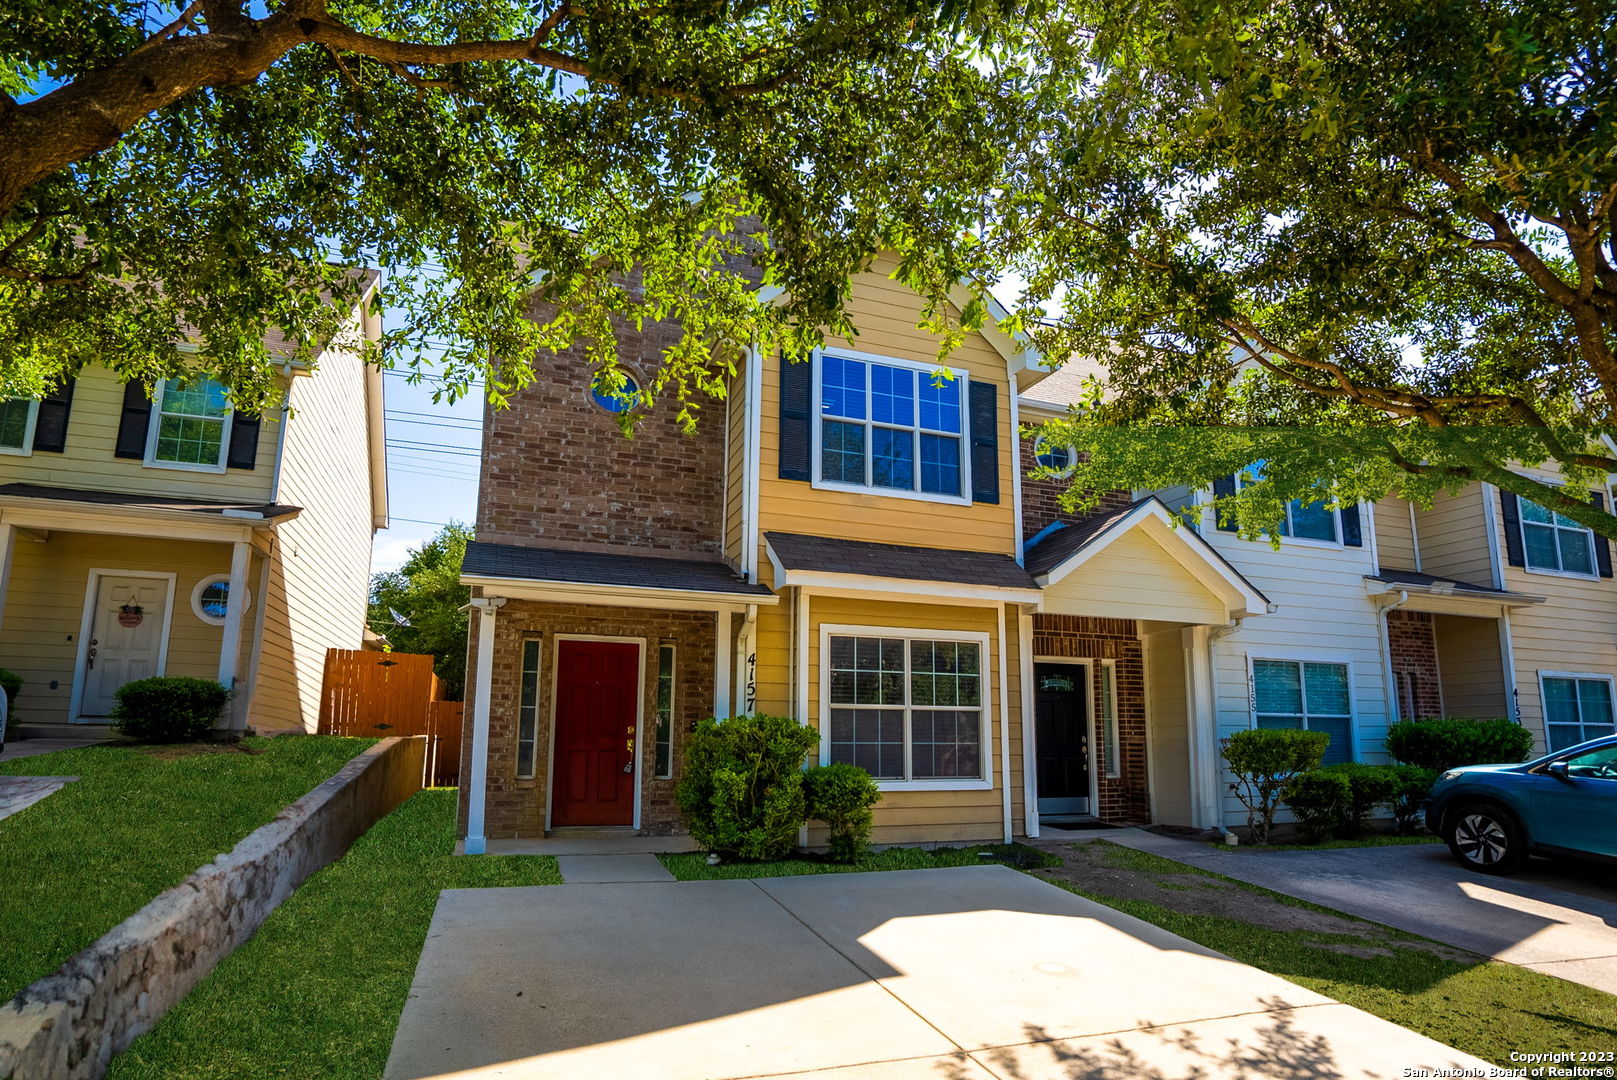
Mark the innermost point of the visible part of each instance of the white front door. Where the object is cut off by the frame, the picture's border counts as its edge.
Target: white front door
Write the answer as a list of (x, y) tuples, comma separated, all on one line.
[(127, 633)]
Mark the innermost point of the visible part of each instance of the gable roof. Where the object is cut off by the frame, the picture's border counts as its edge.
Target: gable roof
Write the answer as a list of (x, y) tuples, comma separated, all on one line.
[(1064, 550)]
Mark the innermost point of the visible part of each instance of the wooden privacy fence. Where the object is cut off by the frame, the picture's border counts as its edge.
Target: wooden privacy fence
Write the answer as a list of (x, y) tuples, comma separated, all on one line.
[(379, 694)]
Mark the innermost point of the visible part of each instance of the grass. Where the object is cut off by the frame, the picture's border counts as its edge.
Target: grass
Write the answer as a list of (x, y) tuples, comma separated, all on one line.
[(693, 867), (317, 992), (1479, 1006), (137, 821)]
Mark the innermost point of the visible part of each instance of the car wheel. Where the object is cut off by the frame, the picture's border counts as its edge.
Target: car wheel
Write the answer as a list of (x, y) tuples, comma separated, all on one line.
[(1484, 837)]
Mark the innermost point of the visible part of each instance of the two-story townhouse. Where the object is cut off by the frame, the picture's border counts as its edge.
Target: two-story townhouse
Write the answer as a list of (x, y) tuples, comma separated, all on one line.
[(844, 546), (1523, 619), (157, 530)]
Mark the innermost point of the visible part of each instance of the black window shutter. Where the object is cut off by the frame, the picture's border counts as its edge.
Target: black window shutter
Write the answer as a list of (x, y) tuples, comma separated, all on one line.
[(50, 424), (983, 413), (1513, 529), (796, 419), (133, 422), (1352, 531), (1602, 545), (243, 441), (1223, 488)]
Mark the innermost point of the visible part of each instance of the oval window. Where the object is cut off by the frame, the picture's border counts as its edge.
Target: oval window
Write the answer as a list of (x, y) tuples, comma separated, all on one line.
[(1054, 456), (210, 599), (620, 401)]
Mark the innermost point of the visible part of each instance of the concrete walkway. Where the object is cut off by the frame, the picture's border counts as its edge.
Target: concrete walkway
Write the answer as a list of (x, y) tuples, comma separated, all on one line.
[(20, 792), (21, 748), (1557, 918), (970, 973), (611, 869)]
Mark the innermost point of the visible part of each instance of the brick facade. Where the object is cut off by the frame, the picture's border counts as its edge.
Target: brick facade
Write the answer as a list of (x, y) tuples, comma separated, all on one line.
[(1041, 498), (557, 472), (1412, 644), (1126, 797), (516, 807)]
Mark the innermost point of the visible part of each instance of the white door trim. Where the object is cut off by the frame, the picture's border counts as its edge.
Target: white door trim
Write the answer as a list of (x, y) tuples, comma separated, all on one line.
[(1091, 667), (87, 627), (639, 721)]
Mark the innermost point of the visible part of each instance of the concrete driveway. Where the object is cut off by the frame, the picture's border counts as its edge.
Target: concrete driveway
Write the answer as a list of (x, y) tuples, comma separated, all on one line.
[(959, 974), (1558, 918)]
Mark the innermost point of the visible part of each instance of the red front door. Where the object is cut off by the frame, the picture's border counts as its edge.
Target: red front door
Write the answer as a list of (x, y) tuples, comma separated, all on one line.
[(597, 691)]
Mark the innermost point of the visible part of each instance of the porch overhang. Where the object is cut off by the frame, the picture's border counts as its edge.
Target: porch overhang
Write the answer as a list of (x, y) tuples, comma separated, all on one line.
[(1410, 590), (1086, 570), (36, 508), (609, 579), (897, 572)]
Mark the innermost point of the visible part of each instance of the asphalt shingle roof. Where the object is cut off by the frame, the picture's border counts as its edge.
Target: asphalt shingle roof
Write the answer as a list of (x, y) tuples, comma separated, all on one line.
[(142, 502), (824, 554), (1415, 577), (604, 568), (1059, 546)]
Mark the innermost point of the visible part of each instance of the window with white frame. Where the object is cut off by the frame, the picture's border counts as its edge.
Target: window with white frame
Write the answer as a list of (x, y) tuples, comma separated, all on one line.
[(190, 425), (1112, 753), (210, 599), (17, 417), (891, 427), (1059, 458), (528, 710), (906, 708), (665, 712), (1555, 542), (1308, 695), (1576, 709), (1303, 521)]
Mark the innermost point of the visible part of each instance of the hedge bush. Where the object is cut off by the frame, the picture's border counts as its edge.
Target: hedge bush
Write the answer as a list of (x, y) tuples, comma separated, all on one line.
[(1449, 743), (10, 682), (1262, 761), (743, 785), (1320, 800), (1410, 796), (841, 795), (168, 708)]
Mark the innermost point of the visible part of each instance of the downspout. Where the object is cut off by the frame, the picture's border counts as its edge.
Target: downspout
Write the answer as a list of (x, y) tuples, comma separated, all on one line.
[(1030, 790), (742, 702), (1389, 677), (753, 470), (1414, 537), (280, 437), (1016, 465)]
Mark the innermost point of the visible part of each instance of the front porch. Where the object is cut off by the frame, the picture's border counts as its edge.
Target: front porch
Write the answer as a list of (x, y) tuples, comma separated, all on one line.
[(98, 589)]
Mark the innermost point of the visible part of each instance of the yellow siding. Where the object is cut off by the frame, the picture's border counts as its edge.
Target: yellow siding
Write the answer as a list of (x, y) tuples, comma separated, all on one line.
[(44, 610), (1167, 727), (1454, 537), (88, 461), (885, 313), (735, 476), (320, 569), (1135, 578), (1395, 538), (1468, 662)]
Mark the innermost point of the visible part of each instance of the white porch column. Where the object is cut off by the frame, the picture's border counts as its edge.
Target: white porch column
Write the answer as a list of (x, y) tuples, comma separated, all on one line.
[(723, 651), (485, 606), (1030, 770), (230, 636), (1202, 716), (8, 544)]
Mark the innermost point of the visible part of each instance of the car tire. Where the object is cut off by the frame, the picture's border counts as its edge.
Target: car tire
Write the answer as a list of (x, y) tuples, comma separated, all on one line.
[(1486, 837)]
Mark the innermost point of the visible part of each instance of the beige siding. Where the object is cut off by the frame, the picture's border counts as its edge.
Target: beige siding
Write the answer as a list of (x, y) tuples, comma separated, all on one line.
[(44, 610), (1167, 727), (1135, 578), (1395, 535), (321, 564), (1454, 537), (88, 460), (885, 314), (1469, 665)]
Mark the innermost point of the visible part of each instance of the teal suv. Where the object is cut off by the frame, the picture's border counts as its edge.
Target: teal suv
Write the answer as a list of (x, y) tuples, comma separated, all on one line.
[(1495, 816)]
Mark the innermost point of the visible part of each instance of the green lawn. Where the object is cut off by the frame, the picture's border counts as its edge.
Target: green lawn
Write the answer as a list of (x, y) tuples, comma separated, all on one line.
[(137, 821), (694, 867), (1479, 1006), (317, 992)]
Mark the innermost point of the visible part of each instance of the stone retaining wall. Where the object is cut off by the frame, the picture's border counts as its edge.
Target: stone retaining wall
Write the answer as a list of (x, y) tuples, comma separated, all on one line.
[(68, 1025)]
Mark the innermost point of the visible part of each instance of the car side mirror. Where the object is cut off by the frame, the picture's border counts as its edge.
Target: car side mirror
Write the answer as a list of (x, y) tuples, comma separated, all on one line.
[(1557, 769)]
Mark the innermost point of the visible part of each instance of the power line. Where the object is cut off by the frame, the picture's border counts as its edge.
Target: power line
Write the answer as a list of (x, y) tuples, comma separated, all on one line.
[(432, 448), (429, 423), (437, 416)]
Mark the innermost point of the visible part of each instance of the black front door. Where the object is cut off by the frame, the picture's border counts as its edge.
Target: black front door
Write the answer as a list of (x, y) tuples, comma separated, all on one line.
[(1061, 720)]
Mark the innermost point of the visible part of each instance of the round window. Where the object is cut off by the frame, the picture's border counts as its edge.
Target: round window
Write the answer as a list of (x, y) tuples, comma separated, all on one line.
[(1054, 456), (211, 599), (620, 401)]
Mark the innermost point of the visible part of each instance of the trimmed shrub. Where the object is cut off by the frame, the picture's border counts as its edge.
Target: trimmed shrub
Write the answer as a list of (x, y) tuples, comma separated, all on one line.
[(1369, 786), (1262, 761), (1447, 744), (11, 683), (1409, 798), (841, 795), (168, 708), (1321, 800), (743, 785)]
